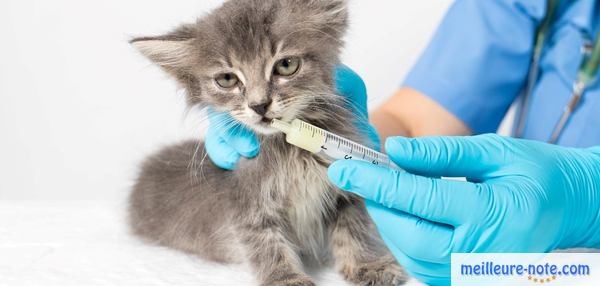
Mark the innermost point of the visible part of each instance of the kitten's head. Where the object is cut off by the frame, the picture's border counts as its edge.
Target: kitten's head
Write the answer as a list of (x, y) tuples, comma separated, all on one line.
[(256, 59)]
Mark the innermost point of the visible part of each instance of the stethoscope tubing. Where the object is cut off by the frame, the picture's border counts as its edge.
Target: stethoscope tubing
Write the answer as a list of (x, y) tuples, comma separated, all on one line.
[(578, 89), (586, 75)]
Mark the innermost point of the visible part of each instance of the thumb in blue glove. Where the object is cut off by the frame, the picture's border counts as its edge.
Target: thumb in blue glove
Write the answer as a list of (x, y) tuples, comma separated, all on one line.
[(521, 196), (227, 140)]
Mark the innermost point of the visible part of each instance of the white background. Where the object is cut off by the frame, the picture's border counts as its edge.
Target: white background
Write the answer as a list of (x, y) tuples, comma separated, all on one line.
[(79, 108)]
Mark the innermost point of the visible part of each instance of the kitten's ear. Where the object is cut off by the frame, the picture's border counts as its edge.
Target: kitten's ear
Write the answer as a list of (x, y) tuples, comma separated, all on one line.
[(172, 51), (333, 12)]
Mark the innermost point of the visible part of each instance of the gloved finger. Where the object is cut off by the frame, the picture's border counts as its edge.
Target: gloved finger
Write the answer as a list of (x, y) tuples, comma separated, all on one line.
[(418, 238), (220, 153), (428, 273), (233, 133), (595, 150), (353, 88), (471, 157), (243, 140), (444, 201)]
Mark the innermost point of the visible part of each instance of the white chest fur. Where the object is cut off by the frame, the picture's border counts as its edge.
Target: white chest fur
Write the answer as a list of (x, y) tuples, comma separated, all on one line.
[(309, 199)]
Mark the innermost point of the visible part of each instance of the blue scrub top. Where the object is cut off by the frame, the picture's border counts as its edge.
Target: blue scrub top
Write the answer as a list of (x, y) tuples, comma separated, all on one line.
[(477, 64)]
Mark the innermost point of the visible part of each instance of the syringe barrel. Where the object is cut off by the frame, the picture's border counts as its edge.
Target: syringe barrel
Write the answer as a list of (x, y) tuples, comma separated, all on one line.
[(341, 148), (317, 140), (305, 136)]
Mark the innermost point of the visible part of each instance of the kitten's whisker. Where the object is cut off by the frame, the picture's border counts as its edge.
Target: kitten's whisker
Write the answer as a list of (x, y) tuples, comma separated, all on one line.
[(191, 165), (202, 166), (336, 101)]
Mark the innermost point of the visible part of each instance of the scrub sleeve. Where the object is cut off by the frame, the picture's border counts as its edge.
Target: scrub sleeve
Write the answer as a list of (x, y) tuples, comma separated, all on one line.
[(477, 62)]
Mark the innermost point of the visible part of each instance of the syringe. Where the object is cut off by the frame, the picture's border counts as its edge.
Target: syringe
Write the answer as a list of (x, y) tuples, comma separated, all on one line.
[(317, 140)]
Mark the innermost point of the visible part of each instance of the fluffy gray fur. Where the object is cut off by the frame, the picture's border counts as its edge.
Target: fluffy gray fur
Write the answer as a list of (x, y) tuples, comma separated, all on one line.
[(278, 211)]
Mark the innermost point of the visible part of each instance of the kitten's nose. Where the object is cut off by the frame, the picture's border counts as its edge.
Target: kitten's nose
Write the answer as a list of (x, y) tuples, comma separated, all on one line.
[(260, 108)]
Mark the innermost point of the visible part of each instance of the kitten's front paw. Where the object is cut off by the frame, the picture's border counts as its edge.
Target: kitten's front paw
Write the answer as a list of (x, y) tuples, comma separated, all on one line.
[(382, 272), (290, 280)]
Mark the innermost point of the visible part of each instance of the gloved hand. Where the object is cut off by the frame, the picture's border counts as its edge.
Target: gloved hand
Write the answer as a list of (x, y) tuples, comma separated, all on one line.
[(228, 140), (521, 196)]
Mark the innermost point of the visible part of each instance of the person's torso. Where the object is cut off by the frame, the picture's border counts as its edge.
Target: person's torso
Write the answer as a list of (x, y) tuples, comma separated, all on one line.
[(575, 26)]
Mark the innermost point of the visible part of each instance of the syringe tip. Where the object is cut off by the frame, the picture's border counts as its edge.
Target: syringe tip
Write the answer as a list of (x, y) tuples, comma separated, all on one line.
[(281, 126)]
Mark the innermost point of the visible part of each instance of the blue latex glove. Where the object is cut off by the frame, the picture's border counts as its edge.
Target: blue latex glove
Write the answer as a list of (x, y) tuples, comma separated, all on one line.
[(228, 140), (521, 196)]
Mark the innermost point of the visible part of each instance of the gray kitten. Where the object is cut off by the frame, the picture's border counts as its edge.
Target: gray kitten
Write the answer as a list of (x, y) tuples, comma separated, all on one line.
[(260, 60)]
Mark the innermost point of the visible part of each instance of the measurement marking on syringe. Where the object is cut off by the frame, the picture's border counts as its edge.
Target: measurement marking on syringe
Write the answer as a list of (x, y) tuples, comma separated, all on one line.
[(346, 149)]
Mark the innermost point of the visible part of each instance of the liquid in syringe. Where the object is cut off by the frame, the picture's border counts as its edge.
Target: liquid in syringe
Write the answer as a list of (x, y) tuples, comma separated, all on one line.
[(317, 140)]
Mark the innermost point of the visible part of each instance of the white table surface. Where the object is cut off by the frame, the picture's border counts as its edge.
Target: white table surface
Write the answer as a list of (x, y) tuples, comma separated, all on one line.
[(85, 243)]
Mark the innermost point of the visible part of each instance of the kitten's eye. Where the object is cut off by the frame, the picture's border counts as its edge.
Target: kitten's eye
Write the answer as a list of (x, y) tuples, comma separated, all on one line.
[(287, 67), (227, 80)]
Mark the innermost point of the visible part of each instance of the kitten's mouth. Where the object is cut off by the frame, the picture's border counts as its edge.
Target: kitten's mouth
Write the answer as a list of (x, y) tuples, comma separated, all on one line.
[(268, 121), (264, 125)]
